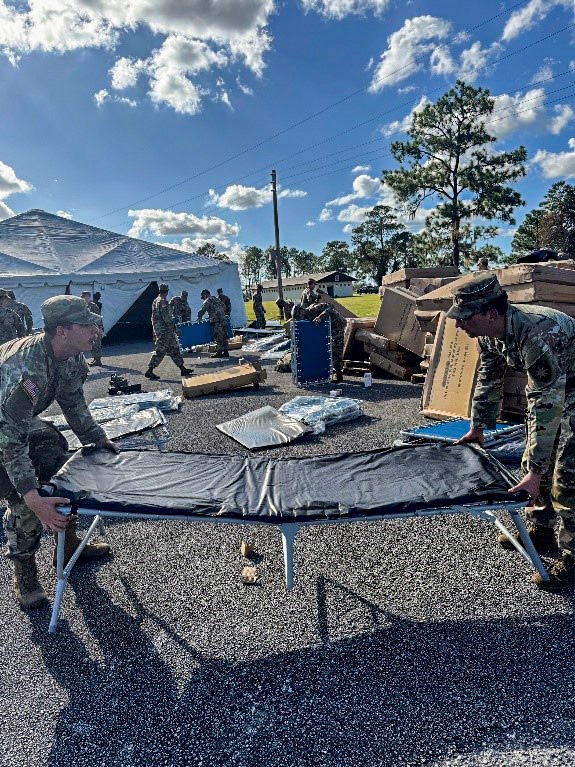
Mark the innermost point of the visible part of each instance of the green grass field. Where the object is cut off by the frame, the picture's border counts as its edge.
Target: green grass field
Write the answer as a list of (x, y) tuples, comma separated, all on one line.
[(362, 306)]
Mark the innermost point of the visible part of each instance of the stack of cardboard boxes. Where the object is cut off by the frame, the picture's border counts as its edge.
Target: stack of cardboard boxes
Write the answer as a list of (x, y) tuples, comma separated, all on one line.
[(453, 363)]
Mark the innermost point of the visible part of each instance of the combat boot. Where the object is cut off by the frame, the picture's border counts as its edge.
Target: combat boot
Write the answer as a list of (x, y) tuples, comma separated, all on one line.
[(216, 354), (338, 376), (560, 573), (543, 538), (151, 375), (186, 371), (71, 542), (225, 353), (27, 587), (95, 363)]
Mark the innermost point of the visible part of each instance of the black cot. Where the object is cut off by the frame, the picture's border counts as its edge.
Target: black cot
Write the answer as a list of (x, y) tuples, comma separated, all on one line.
[(421, 480)]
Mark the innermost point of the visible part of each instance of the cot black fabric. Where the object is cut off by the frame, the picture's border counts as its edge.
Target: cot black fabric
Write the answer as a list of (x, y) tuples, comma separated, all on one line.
[(279, 490)]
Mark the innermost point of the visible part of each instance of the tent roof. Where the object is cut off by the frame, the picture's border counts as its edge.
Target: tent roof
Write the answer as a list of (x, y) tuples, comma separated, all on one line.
[(40, 243)]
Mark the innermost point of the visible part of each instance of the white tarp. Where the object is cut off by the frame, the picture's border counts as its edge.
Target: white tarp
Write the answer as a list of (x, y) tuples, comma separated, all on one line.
[(41, 254)]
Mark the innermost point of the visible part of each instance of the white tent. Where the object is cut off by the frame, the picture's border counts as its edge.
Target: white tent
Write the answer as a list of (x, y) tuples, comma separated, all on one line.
[(42, 254)]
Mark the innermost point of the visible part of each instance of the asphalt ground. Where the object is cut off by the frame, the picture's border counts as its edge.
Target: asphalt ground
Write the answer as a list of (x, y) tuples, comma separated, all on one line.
[(412, 642)]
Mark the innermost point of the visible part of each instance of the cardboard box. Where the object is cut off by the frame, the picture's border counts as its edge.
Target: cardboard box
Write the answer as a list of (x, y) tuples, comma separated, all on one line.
[(391, 367), (396, 320), (409, 273), (225, 380), (450, 380), (422, 285), (352, 325), (379, 343)]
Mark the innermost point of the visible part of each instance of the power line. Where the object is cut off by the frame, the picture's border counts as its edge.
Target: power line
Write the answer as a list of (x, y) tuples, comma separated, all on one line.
[(298, 123)]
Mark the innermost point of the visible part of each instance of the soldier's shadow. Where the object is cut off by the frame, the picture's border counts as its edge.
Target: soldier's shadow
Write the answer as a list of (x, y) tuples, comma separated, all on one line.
[(400, 689)]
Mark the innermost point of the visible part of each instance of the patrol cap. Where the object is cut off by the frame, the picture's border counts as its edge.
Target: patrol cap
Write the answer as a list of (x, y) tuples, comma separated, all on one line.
[(163, 288), (11, 294), (4, 293), (68, 310), (475, 297)]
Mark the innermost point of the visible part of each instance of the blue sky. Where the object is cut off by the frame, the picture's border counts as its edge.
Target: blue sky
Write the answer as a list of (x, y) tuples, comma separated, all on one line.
[(164, 119)]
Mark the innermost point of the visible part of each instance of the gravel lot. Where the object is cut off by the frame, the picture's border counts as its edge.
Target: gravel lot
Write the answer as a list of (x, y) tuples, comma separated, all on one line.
[(403, 643)]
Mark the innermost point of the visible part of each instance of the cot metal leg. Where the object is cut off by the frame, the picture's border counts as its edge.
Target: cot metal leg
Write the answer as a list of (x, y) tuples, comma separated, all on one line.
[(289, 533), (63, 573), (527, 550)]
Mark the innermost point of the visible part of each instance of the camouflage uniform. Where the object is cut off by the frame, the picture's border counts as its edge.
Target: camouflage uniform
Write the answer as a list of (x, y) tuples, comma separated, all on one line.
[(180, 307), (25, 315), (308, 298), (165, 338), (226, 302), (338, 324), (97, 348), (215, 309), (541, 342), (30, 449), (259, 310), (11, 326)]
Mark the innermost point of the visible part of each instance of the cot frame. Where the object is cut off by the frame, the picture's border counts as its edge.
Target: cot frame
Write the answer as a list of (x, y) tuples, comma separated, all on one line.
[(481, 511)]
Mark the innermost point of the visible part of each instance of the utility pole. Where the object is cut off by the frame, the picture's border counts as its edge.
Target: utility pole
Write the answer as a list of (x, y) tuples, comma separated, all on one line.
[(277, 236)]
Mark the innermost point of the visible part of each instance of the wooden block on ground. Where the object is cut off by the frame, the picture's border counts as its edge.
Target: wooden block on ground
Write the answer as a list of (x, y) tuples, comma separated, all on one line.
[(225, 380)]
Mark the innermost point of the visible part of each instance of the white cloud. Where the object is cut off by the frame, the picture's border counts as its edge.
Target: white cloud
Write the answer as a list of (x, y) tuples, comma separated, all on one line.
[(101, 97), (402, 126), (244, 88), (239, 197), (364, 186), (361, 169), (191, 244), (325, 215), (166, 223), (310, 223), (125, 73), (527, 110), (405, 46), (353, 214), (339, 9), (474, 59), (556, 164), (198, 36), (407, 89), (526, 18), (64, 214), (545, 72), (10, 183), (441, 61)]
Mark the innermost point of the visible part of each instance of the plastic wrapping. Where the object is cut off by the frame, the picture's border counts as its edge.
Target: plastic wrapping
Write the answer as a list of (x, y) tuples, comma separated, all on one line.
[(100, 415), (263, 344), (264, 427), (278, 350), (132, 423), (164, 399), (319, 412)]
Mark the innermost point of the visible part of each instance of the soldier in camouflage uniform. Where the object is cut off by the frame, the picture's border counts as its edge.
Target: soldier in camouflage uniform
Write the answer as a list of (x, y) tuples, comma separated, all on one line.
[(540, 341), (22, 311), (96, 360), (316, 313), (310, 295), (180, 307), (36, 371), (258, 305), (215, 309), (165, 338), (11, 326), (226, 302)]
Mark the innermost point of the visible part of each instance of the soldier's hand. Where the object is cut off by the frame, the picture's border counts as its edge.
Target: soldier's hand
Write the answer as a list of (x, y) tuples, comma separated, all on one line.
[(45, 510), (107, 444), (317, 320), (473, 435), (531, 484)]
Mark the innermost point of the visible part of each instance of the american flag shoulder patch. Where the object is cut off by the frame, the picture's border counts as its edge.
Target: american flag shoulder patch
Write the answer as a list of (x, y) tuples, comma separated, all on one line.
[(30, 388)]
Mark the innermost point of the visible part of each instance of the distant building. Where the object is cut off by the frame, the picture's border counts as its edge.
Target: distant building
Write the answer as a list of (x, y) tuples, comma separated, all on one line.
[(335, 284)]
